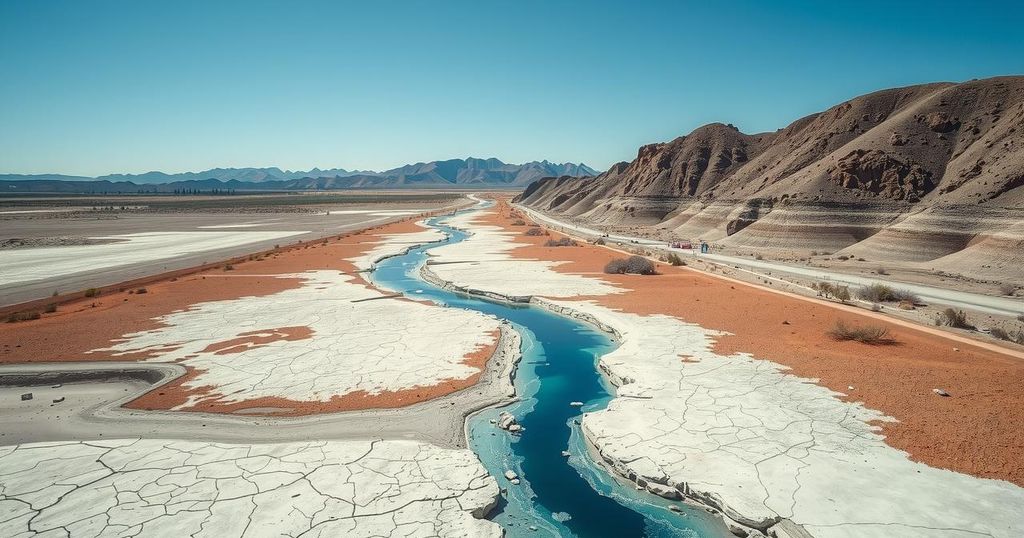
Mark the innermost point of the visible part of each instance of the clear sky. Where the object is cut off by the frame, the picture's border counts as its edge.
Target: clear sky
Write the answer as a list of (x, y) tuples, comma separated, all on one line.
[(94, 87)]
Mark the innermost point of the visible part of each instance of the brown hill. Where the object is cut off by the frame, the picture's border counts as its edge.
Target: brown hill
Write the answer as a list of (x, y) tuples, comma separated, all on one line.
[(928, 174)]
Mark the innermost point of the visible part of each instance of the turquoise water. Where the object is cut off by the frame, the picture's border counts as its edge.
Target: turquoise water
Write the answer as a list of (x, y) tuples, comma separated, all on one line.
[(558, 496)]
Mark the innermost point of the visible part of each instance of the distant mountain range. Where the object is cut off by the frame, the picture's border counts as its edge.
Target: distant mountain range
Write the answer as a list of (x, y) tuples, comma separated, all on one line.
[(434, 174)]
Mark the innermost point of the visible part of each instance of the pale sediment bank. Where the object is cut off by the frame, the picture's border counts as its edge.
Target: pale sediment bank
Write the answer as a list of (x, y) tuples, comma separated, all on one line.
[(269, 342), (180, 488), (439, 421), (743, 434)]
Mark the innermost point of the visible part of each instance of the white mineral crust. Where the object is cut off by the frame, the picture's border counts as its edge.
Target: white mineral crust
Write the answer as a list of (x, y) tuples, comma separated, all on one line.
[(169, 489)]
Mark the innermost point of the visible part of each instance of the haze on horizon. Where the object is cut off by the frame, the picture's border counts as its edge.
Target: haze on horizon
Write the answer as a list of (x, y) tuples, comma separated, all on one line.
[(114, 87)]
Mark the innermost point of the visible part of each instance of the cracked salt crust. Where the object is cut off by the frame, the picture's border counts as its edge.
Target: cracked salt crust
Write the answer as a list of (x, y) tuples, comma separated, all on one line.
[(30, 264), (483, 258), (187, 488), (389, 245), (744, 435), (374, 346)]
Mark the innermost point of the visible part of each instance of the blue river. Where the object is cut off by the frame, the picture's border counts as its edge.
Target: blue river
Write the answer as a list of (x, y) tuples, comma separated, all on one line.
[(558, 495)]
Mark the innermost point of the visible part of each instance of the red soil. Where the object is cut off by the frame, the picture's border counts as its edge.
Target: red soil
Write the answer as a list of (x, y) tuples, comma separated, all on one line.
[(979, 430), (85, 324)]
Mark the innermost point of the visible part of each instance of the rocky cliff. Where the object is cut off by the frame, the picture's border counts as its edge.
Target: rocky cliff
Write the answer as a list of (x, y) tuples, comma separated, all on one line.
[(929, 173)]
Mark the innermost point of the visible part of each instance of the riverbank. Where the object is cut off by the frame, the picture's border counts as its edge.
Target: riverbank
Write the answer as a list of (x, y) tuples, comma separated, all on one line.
[(292, 303), (653, 383)]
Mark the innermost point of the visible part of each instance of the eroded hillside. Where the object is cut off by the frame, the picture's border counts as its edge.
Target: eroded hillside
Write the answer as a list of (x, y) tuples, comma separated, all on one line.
[(927, 174)]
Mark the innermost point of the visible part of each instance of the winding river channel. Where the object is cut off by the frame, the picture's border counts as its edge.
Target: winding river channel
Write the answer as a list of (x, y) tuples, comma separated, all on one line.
[(558, 495)]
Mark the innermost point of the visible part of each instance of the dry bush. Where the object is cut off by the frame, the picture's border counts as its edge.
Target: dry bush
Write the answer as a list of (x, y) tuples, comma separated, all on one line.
[(867, 334), (1007, 289), (999, 333), (534, 232), (92, 292), (881, 271), (140, 291), (519, 222), (23, 316), (637, 265), (51, 308), (563, 242), (674, 259), (758, 257), (599, 241), (1020, 317), (1003, 334), (829, 290), (953, 318), (878, 293)]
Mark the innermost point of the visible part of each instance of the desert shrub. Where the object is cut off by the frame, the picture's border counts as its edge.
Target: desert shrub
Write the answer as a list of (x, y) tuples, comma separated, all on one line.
[(881, 271), (534, 231), (519, 222), (92, 292), (758, 257), (878, 293), (953, 318), (814, 253), (599, 241), (563, 242), (843, 258), (229, 267), (51, 308), (140, 291), (829, 290), (866, 334), (22, 316), (674, 259), (1003, 334), (637, 265), (1020, 317), (1007, 289)]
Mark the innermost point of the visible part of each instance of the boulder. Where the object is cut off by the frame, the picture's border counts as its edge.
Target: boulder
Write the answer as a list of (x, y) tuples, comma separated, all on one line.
[(506, 420), (662, 490)]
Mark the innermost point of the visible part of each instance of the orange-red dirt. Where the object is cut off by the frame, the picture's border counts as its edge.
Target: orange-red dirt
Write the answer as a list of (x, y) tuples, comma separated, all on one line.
[(979, 430), (86, 324)]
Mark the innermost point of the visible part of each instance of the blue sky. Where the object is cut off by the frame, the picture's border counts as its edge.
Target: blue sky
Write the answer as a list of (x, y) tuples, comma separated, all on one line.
[(131, 86)]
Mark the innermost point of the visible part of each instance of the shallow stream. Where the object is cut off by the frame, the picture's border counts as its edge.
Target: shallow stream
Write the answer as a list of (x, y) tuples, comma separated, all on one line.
[(558, 495)]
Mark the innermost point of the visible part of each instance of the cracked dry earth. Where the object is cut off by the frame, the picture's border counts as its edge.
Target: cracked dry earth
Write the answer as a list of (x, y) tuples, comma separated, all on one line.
[(741, 433), (139, 487), (356, 341)]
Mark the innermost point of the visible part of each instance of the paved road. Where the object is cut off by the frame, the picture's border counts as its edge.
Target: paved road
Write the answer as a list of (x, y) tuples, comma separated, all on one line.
[(1005, 306)]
